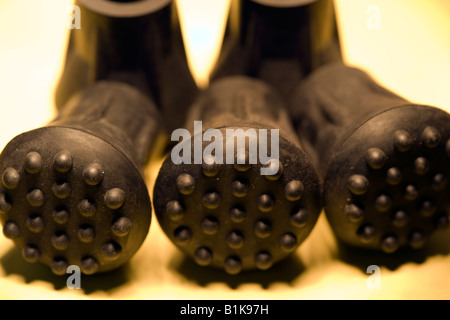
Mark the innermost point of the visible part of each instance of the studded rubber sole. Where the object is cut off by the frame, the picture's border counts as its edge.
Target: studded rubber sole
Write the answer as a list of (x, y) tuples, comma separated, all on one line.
[(387, 187), (63, 203), (231, 217)]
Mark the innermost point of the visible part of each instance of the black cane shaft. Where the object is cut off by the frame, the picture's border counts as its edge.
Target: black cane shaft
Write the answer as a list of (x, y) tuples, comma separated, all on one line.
[(278, 43), (111, 42), (135, 42)]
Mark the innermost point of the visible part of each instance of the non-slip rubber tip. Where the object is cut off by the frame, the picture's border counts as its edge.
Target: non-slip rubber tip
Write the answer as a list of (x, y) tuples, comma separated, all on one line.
[(70, 198), (387, 186), (230, 216)]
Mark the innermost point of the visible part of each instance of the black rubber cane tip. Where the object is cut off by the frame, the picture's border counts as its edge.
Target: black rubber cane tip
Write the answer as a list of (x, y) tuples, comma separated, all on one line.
[(387, 186), (231, 216), (74, 201)]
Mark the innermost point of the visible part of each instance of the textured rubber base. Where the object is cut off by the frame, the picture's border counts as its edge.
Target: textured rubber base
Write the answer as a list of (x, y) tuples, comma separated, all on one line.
[(229, 216), (387, 185), (69, 198)]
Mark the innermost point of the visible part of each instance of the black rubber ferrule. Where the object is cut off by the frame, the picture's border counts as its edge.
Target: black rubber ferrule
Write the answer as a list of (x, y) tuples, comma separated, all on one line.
[(385, 160), (73, 192), (230, 215)]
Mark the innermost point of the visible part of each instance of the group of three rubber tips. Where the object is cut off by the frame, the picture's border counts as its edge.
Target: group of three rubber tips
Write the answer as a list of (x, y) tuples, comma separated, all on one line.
[(276, 137)]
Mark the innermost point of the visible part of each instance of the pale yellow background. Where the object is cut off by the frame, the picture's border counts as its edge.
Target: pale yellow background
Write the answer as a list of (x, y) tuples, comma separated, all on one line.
[(410, 54)]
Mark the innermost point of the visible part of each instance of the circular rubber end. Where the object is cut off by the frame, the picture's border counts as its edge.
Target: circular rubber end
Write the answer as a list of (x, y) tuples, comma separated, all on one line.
[(231, 216), (388, 184), (70, 198)]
